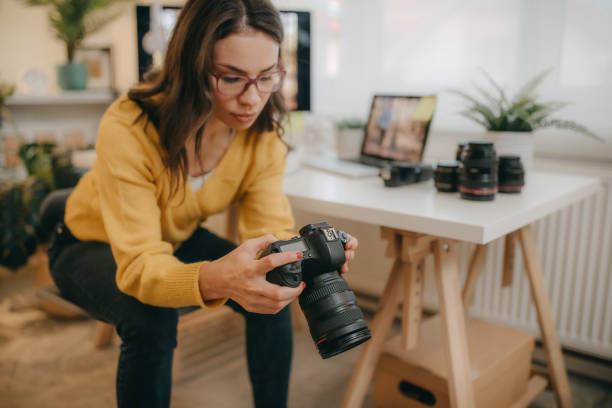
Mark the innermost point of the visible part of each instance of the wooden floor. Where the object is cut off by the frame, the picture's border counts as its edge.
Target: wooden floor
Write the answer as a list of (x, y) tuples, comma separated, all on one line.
[(45, 362)]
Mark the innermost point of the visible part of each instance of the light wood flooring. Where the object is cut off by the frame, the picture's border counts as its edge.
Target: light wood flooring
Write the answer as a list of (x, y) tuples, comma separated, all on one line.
[(48, 362)]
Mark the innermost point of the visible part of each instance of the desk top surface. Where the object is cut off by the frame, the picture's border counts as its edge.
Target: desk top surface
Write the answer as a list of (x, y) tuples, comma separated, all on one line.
[(420, 208)]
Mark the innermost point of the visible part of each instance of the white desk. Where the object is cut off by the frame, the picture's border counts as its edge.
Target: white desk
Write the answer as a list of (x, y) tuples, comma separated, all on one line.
[(420, 208), (416, 221)]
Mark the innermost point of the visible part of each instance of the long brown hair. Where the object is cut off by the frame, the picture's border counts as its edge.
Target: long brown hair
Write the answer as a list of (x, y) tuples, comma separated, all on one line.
[(183, 84)]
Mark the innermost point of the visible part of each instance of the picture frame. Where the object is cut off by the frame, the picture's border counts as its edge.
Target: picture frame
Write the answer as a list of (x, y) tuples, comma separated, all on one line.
[(100, 67)]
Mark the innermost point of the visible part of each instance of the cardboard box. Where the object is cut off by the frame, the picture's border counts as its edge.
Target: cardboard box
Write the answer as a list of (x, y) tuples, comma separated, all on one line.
[(500, 360)]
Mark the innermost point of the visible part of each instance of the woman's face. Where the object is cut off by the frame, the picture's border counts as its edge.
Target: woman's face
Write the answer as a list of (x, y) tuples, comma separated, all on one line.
[(245, 54)]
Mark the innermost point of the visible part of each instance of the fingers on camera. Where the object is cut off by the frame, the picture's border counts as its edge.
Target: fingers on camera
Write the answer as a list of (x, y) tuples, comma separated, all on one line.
[(269, 262), (282, 294), (261, 243)]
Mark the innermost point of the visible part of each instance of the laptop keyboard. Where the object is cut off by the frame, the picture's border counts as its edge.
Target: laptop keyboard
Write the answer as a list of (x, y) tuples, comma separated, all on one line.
[(342, 167)]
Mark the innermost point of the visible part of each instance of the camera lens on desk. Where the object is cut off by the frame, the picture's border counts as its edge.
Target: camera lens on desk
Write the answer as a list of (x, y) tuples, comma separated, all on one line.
[(459, 153), (511, 174), (398, 173), (446, 176), (478, 178)]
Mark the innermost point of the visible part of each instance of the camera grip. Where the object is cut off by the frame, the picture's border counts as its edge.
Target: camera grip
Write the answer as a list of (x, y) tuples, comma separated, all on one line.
[(286, 275)]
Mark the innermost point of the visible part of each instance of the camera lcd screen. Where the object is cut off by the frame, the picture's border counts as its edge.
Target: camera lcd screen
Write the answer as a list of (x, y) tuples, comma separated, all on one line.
[(295, 246)]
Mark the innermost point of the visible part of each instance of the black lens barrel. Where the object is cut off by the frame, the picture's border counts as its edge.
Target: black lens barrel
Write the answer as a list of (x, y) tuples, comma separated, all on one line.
[(446, 176), (459, 152), (336, 322), (478, 178), (511, 174)]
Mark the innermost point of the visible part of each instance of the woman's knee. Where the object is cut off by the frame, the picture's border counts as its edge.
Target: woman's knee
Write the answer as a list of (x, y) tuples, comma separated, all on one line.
[(283, 316), (280, 320), (148, 326)]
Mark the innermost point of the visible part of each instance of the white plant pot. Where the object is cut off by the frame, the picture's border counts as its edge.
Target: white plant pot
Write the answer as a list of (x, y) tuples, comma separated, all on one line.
[(514, 144), (349, 143)]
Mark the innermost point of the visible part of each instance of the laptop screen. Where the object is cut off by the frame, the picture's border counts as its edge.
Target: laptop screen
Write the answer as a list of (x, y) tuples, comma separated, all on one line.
[(397, 127)]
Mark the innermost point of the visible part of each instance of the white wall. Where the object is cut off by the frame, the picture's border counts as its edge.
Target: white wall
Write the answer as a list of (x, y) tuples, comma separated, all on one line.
[(362, 47)]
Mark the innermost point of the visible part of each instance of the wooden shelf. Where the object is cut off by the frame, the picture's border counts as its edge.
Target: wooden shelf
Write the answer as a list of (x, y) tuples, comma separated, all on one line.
[(102, 97)]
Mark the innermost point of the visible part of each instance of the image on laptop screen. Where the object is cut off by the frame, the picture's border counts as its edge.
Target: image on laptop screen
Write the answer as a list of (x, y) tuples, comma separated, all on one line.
[(397, 127)]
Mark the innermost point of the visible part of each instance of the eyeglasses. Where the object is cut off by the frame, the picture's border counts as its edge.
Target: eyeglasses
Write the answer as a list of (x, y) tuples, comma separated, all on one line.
[(234, 84)]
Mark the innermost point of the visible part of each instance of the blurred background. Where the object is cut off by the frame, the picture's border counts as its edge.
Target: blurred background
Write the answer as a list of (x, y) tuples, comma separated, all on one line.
[(340, 53)]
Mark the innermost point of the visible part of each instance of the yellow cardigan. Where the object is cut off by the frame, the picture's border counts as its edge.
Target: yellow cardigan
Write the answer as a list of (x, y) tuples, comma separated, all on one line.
[(121, 201)]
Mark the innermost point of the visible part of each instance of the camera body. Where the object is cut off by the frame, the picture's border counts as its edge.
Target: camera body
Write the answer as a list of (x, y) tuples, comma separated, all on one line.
[(400, 173), (323, 249), (335, 321)]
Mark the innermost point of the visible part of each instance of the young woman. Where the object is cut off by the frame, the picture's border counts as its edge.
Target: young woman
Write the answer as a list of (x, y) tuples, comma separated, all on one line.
[(202, 134)]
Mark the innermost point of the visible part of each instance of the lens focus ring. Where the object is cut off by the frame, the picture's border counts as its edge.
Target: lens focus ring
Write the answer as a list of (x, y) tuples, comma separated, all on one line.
[(322, 292), (336, 321)]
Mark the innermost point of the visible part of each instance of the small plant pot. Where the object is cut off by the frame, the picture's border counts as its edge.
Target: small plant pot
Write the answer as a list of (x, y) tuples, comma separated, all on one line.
[(72, 76), (514, 144), (349, 142)]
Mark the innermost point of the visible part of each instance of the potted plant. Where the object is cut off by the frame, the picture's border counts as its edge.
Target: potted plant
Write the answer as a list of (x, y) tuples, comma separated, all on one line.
[(72, 21), (510, 123), (350, 134)]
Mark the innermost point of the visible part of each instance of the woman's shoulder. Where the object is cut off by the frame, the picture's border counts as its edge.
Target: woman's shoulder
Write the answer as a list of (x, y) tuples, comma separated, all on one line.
[(124, 110), (125, 117)]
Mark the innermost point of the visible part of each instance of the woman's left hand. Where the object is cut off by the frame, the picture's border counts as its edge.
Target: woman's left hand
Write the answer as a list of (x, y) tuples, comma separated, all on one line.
[(349, 253)]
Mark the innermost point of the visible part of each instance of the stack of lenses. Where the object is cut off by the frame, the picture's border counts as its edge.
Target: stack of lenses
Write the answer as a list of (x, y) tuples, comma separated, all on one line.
[(446, 176), (478, 178), (511, 174)]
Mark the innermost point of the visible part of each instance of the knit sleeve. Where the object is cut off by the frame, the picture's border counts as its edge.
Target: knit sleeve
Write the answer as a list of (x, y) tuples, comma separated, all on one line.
[(126, 179), (264, 208)]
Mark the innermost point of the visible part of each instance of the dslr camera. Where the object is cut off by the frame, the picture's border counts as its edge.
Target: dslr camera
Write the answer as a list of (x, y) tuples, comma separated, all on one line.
[(335, 321), (400, 173)]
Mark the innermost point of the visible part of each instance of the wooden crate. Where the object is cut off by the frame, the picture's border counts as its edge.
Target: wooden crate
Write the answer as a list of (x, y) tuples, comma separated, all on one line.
[(500, 360)]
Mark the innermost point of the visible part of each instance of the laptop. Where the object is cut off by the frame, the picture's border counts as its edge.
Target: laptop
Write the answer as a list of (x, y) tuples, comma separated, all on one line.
[(397, 130)]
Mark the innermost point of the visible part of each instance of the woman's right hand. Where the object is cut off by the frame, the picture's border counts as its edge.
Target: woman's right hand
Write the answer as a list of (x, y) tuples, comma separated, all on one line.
[(240, 276)]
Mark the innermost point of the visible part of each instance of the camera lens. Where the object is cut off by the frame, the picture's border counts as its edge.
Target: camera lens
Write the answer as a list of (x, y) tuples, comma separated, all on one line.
[(446, 176), (398, 173), (478, 179), (459, 153), (511, 174), (336, 323)]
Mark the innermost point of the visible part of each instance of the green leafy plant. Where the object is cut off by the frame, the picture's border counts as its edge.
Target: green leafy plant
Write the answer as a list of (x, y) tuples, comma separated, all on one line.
[(73, 20), (49, 168), (50, 163), (525, 112), (37, 159), (19, 205), (350, 124)]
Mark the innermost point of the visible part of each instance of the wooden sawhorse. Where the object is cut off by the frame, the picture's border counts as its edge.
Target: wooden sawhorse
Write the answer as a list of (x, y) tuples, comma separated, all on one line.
[(408, 250)]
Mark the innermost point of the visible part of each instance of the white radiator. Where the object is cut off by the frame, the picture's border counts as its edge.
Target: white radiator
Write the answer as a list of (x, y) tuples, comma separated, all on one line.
[(575, 249)]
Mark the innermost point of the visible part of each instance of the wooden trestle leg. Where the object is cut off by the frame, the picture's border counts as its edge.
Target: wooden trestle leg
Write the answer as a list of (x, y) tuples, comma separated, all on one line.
[(408, 250), (558, 374)]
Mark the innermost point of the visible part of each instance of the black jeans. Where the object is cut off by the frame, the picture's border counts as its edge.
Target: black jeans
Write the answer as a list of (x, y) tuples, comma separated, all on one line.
[(85, 274)]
